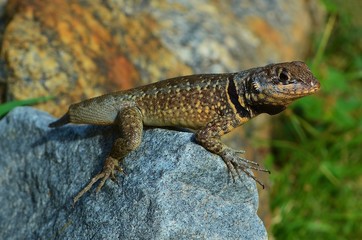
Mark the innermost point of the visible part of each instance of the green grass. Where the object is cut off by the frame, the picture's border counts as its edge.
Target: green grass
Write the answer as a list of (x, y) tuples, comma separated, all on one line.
[(7, 107), (317, 151)]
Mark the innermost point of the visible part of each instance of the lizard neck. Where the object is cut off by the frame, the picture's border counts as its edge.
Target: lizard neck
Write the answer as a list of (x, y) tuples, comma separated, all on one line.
[(237, 99), (251, 99)]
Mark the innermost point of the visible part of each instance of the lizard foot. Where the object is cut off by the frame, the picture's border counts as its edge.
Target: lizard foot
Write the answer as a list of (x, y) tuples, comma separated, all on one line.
[(235, 163), (110, 165)]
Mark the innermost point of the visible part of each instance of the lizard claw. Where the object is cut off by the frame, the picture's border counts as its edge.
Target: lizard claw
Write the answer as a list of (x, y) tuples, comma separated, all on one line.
[(239, 151), (235, 163), (109, 167)]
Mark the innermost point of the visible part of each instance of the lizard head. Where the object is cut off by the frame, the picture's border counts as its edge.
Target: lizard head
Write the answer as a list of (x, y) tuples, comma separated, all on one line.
[(272, 88)]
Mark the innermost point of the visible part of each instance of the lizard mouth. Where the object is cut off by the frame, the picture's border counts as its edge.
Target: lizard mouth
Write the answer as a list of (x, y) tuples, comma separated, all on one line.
[(288, 93), (307, 89), (316, 86)]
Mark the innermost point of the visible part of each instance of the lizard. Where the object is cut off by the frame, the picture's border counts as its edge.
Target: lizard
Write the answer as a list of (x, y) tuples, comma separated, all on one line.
[(210, 104)]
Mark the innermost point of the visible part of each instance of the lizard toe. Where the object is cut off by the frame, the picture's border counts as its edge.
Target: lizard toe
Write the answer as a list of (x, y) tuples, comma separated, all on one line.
[(237, 164), (108, 172)]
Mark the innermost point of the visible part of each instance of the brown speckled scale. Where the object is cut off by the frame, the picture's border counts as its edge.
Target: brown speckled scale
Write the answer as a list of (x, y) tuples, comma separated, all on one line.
[(211, 104)]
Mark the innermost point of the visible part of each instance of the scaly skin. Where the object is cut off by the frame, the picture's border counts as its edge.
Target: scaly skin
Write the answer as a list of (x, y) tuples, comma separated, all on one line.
[(211, 104)]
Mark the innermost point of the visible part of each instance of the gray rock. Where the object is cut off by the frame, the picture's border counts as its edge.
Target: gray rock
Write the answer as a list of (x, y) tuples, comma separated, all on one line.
[(173, 189)]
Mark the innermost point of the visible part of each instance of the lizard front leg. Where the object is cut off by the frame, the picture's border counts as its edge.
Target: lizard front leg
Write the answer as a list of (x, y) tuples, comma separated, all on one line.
[(209, 138), (130, 124)]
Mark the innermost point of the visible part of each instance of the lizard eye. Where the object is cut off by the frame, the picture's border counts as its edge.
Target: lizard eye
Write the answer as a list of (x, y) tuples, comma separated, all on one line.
[(283, 76)]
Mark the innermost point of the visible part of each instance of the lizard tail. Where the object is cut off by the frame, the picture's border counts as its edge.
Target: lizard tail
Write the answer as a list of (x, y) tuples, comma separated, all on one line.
[(61, 121)]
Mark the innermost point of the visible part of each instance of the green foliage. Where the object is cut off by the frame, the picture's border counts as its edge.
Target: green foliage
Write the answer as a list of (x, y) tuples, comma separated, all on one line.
[(7, 107), (317, 180)]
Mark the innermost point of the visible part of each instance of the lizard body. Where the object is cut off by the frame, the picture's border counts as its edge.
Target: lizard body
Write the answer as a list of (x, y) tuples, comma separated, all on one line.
[(211, 104)]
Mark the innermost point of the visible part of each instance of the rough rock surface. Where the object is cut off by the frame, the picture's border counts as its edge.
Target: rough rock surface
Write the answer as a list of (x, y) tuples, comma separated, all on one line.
[(174, 189)]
